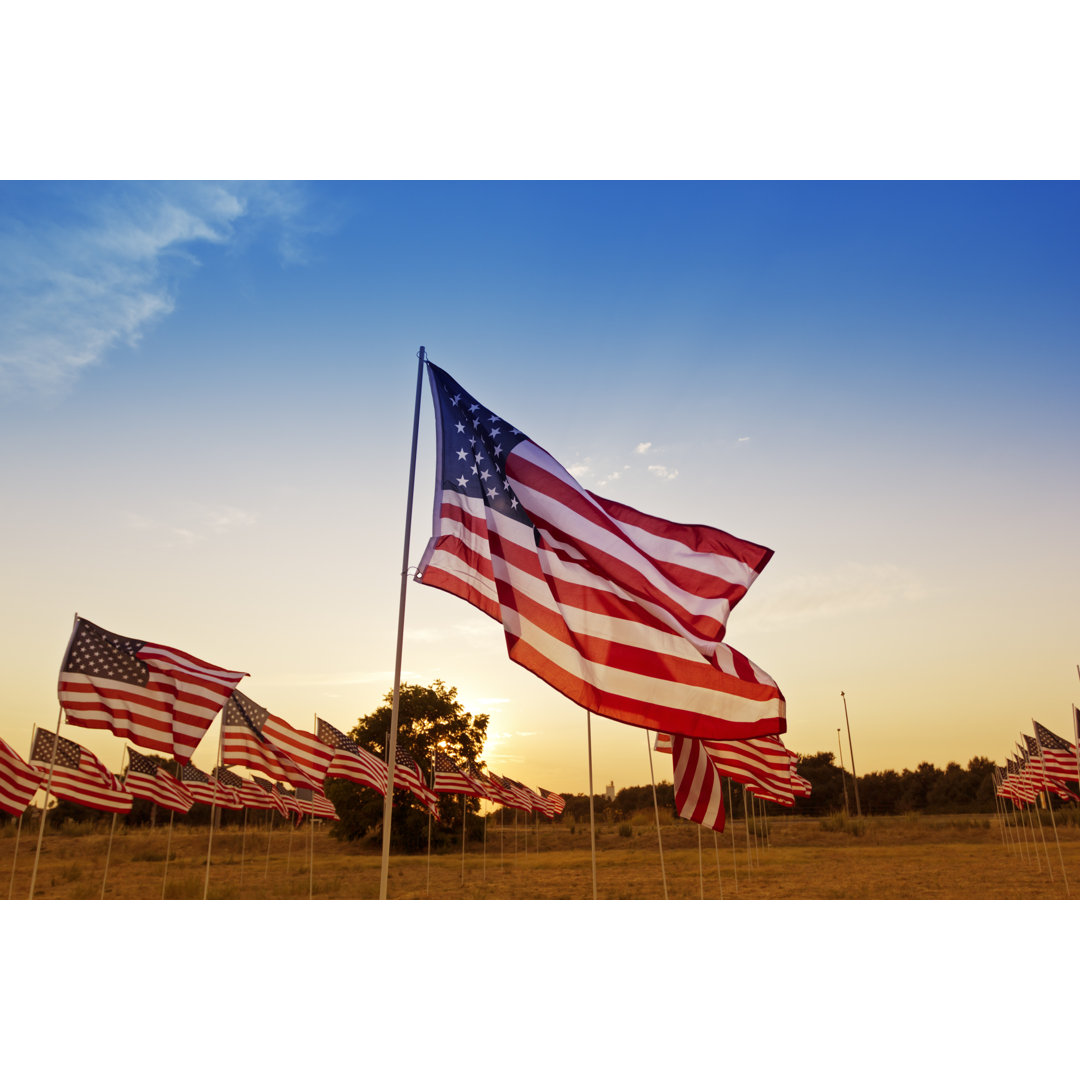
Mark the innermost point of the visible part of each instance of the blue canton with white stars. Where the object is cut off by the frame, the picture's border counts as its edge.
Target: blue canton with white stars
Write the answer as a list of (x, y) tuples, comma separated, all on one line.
[(475, 443)]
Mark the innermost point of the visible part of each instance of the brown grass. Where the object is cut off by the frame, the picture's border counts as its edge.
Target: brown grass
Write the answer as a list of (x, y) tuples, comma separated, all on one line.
[(910, 858)]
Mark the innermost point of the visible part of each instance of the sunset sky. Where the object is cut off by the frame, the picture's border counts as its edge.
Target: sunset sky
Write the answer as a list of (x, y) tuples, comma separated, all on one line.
[(206, 403)]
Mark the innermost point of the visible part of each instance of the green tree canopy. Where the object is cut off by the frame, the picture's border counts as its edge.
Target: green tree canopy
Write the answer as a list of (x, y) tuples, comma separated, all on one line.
[(429, 717)]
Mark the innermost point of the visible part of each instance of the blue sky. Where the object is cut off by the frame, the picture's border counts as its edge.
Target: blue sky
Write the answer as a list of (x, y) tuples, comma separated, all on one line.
[(206, 394)]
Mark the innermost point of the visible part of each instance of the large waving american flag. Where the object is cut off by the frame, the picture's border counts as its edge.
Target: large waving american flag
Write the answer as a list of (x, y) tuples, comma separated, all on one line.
[(1058, 754), (159, 698), (77, 774), (19, 781), (622, 612)]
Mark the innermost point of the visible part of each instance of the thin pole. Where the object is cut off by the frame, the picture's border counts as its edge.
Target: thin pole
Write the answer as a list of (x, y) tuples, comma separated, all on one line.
[(168, 848), (592, 818), (1053, 819), (486, 816), (851, 754), (243, 846), (1076, 733), (108, 852), (48, 792), (734, 861), (464, 811), (213, 814), (656, 810), (15, 853), (746, 818), (391, 748), (269, 831), (719, 878), (843, 777), (700, 863)]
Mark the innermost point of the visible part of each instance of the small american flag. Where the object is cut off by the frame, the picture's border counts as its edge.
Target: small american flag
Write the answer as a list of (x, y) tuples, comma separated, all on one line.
[(351, 761), (448, 777), (272, 797), (407, 775), (145, 779), (205, 789), (622, 612), (253, 736), (19, 781), (556, 802), (288, 798), (315, 803), (159, 698), (78, 775), (1059, 755)]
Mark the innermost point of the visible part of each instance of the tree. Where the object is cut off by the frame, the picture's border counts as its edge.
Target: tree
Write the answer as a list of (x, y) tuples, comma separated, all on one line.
[(428, 717)]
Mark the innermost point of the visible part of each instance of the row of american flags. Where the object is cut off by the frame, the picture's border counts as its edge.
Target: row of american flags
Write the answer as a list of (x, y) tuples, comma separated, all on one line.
[(622, 612), (1043, 762), (71, 771)]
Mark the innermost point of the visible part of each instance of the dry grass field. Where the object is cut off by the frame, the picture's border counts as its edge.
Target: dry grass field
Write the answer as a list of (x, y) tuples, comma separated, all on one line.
[(902, 858)]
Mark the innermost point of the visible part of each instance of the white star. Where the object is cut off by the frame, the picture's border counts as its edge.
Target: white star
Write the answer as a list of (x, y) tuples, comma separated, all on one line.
[(460, 427), (462, 481), (454, 400), (473, 407), (462, 455), (513, 503), (495, 432), (485, 475), (491, 493)]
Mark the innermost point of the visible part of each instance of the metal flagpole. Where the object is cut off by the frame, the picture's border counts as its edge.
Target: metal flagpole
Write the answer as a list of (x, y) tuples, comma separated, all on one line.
[(112, 829), (48, 792), (716, 844), (843, 778), (592, 818), (656, 810), (391, 748), (15, 853), (1053, 819), (851, 754), (734, 861), (1076, 733), (168, 848), (213, 814), (746, 818), (464, 811), (243, 846), (700, 863)]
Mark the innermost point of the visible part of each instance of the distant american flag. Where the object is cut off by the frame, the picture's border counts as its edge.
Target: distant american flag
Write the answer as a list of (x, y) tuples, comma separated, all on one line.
[(448, 777), (253, 736), (159, 698), (407, 775), (205, 789), (78, 775), (556, 802), (19, 781), (315, 803), (145, 779), (1059, 755), (351, 761), (273, 797), (622, 612)]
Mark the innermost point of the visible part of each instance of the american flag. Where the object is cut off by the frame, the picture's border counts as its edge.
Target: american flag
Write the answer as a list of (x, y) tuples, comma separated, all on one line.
[(315, 803), (556, 802), (1058, 754), (698, 785), (1019, 786), (622, 612), (407, 775), (288, 799), (272, 797), (159, 698), (448, 777), (145, 779), (19, 781), (78, 775), (515, 795), (1040, 773), (351, 761), (205, 789), (763, 763), (497, 792), (253, 736)]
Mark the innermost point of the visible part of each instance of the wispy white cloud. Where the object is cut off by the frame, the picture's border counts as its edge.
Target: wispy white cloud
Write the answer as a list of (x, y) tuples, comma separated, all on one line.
[(85, 268), (663, 472), (191, 524), (642, 447), (848, 588)]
